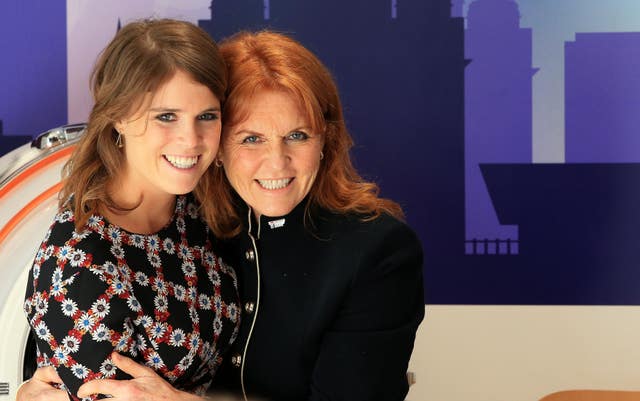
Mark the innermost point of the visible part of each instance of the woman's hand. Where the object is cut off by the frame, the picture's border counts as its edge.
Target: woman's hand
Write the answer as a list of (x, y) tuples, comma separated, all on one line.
[(40, 387), (146, 385)]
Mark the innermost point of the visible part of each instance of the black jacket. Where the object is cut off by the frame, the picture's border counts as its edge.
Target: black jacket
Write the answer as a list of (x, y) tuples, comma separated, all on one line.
[(339, 303)]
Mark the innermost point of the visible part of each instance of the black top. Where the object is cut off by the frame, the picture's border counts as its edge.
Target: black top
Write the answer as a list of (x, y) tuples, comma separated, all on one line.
[(339, 304), (164, 299)]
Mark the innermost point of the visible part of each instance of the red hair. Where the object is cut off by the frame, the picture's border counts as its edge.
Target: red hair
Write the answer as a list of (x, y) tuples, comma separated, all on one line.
[(273, 61)]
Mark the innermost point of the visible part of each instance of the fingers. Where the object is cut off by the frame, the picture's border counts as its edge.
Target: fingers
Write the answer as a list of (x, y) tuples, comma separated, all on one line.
[(47, 374), (36, 390), (103, 386), (128, 365)]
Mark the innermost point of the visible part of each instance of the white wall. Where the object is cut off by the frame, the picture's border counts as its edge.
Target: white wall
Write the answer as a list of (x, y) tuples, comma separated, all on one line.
[(521, 353)]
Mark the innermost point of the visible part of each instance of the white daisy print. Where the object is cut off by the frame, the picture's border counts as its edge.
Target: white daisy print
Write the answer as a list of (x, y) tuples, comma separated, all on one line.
[(69, 307), (177, 338), (100, 308), (80, 371)]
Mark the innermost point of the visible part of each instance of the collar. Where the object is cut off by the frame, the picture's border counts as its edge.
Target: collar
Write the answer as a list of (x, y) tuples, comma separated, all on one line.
[(266, 225)]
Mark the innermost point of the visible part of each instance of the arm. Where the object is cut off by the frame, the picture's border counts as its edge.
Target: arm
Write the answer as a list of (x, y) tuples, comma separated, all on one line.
[(73, 310), (145, 385), (364, 356)]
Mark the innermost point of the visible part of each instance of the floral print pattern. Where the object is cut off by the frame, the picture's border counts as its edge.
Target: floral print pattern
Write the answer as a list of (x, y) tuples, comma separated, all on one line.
[(164, 299)]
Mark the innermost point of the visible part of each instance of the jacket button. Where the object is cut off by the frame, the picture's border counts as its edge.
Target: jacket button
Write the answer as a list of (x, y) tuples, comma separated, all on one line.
[(236, 360), (249, 307), (250, 255)]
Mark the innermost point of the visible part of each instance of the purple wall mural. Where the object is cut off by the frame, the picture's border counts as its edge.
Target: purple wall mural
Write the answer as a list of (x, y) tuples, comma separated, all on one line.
[(443, 100), (602, 98), (33, 71), (498, 95)]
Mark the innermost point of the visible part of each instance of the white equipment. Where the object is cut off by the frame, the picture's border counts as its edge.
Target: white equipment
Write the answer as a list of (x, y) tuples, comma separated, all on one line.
[(29, 185)]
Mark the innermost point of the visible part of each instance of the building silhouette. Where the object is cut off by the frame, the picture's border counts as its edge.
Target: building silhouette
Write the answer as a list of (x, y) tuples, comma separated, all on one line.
[(577, 221), (602, 98), (405, 108), (498, 108), (578, 232), (230, 16), (457, 8)]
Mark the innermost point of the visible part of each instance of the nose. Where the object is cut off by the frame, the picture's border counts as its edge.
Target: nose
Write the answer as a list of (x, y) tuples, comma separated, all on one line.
[(189, 135), (279, 155)]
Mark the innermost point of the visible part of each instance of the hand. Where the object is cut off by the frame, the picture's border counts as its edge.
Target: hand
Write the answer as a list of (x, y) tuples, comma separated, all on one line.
[(146, 385), (40, 387)]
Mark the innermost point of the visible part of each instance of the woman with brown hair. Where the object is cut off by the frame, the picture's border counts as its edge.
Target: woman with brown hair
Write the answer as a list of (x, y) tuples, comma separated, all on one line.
[(330, 276), (128, 264)]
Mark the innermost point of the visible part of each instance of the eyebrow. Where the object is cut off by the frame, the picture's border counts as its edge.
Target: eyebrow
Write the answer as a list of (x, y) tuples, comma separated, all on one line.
[(250, 131), (170, 110)]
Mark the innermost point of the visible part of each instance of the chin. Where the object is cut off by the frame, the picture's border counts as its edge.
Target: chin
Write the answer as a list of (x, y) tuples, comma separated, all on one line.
[(278, 212), (183, 190)]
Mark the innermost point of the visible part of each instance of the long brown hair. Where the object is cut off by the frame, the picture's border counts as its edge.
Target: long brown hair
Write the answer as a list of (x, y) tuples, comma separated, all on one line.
[(140, 58), (273, 61)]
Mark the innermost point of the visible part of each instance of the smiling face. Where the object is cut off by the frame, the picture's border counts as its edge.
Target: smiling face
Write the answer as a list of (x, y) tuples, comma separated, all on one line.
[(172, 140), (272, 157)]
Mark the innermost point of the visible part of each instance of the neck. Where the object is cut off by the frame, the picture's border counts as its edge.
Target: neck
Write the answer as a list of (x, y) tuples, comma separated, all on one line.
[(149, 212)]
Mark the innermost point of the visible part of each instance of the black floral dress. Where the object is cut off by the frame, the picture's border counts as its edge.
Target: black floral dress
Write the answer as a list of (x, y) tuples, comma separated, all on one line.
[(164, 299)]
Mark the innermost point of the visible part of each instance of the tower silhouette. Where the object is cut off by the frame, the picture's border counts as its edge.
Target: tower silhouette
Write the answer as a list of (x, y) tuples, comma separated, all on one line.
[(498, 111), (602, 94), (231, 16)]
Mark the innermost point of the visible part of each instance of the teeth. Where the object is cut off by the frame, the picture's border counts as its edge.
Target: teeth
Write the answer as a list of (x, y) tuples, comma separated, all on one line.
[(275, 184), (181, 161)]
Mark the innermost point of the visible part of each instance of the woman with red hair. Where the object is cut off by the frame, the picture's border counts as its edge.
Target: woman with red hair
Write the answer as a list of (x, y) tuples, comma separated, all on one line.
[(330, 276)]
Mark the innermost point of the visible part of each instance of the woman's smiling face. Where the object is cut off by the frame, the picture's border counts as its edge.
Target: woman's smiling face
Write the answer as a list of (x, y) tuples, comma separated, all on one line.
[(173, 139), (272, 157)]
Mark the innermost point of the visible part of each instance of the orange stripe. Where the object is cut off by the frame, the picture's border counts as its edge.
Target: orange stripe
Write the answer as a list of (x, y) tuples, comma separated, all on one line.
[(31, 170), (24, 212)]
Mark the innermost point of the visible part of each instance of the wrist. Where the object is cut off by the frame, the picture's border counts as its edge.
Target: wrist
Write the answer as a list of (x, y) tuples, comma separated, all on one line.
[(186, 396)]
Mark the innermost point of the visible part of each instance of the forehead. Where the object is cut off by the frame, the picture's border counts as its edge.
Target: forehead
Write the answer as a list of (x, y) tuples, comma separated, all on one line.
[(272, 107)]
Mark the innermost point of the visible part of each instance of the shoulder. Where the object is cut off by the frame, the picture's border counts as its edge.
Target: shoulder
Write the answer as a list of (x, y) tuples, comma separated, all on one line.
[(63, 231), (383, 243), (351, 226), (65, 263), (65, 246)]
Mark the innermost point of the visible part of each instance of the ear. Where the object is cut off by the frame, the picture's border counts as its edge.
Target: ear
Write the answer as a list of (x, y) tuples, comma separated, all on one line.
[(119, 126)]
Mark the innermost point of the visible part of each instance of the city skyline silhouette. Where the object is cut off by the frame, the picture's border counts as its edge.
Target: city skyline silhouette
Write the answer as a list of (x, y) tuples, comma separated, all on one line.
[(419, 91)]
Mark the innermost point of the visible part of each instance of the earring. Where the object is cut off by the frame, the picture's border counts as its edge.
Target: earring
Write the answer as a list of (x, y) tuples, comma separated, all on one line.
[(119, 143), (321, 155), (217, 162)]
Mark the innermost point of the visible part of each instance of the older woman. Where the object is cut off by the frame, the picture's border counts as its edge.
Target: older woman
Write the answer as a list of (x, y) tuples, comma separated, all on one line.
[(331, 278)]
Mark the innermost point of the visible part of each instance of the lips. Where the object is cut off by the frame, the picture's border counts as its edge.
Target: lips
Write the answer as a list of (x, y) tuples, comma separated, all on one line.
[(182, 162), (275, 184)]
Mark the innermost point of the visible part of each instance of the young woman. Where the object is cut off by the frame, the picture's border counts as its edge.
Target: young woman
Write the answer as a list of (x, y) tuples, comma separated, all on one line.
[(129, 264)]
